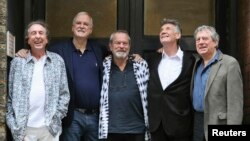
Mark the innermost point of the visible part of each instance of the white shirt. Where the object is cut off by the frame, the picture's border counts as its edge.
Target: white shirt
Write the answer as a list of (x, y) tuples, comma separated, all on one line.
[(170, 68), (37, 95)]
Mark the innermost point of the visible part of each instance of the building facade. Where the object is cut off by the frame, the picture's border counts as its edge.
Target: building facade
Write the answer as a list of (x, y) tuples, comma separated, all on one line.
[(230, 17), (3, 68)]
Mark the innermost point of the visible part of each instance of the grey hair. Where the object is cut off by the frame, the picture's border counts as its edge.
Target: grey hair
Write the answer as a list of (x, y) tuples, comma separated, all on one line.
[(214, 35), (83, 13), (39, 22), (173, 22), (119, 31)]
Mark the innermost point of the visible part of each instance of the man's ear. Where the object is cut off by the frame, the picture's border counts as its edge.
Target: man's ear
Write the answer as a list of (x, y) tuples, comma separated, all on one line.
[(110, 47), (178, 36), (91, 30)]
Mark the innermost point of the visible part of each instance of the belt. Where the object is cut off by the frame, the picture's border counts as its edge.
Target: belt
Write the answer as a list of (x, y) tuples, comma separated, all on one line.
[(87, 111)]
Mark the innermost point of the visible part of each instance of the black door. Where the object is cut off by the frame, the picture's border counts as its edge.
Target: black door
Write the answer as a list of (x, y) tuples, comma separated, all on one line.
[(130, 15), (108, 15)]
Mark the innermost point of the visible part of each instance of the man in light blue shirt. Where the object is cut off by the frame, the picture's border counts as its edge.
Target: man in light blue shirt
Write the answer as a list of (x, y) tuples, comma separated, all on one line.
[(217, 88), (200, 80)]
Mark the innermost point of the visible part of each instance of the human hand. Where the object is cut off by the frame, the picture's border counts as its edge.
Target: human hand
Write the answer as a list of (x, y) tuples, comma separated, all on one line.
[(160, 50), (136, 57), (23, 53)]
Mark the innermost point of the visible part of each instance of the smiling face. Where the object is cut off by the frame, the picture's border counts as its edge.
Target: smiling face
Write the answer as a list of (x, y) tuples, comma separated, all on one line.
[(169, 34), (120, 45), (205, 45), (82, 26), (37, 37)]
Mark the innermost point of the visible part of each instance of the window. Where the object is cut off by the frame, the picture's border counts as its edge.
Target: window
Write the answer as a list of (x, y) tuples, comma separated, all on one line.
[(190, 14), (60, 13)]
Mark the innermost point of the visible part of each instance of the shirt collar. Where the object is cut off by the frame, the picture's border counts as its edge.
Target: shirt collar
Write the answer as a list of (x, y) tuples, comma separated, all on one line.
[(215, 58), (88, 47), (178, 55), (31, 58)]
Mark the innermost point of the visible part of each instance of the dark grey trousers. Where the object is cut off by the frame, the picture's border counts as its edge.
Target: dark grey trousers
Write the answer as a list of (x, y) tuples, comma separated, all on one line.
[(198, 134)]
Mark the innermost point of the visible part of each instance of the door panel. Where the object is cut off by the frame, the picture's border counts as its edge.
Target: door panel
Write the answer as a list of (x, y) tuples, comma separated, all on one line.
[(141, 18), (189, 13), (60, 13)]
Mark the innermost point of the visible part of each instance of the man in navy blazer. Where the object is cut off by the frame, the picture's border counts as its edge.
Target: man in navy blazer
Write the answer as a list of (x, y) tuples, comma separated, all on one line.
[(170, 108), (83, 61)]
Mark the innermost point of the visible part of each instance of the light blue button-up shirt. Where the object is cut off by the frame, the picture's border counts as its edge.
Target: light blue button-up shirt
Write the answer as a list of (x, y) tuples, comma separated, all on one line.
[(200, 80)]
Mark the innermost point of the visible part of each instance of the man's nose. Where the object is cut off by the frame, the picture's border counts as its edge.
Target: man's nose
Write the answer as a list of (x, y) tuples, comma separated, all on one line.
[(201, 41), (37, 35)]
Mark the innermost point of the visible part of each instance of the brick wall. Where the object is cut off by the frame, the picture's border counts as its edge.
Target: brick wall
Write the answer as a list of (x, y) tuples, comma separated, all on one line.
[(244, 47), (3, 67)]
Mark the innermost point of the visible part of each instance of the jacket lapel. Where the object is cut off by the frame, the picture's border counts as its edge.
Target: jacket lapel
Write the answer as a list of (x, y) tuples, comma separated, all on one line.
[(213, 73), (185, 66), (197, 59), (156, 73), (67, 53)]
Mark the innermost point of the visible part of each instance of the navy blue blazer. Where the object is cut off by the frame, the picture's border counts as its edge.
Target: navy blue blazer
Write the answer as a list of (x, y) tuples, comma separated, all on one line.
[(65, 49)]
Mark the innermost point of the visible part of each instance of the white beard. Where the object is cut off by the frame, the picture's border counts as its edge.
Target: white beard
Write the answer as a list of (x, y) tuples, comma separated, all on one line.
[(120, 55)]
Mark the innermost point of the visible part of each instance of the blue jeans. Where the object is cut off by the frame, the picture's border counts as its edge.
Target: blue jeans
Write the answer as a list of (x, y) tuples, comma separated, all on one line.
[(84, 127), (125, 137)]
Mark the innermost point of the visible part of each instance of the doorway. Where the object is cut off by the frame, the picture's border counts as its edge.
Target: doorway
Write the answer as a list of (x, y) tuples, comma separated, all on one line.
[(138, 17), (141, 18)]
